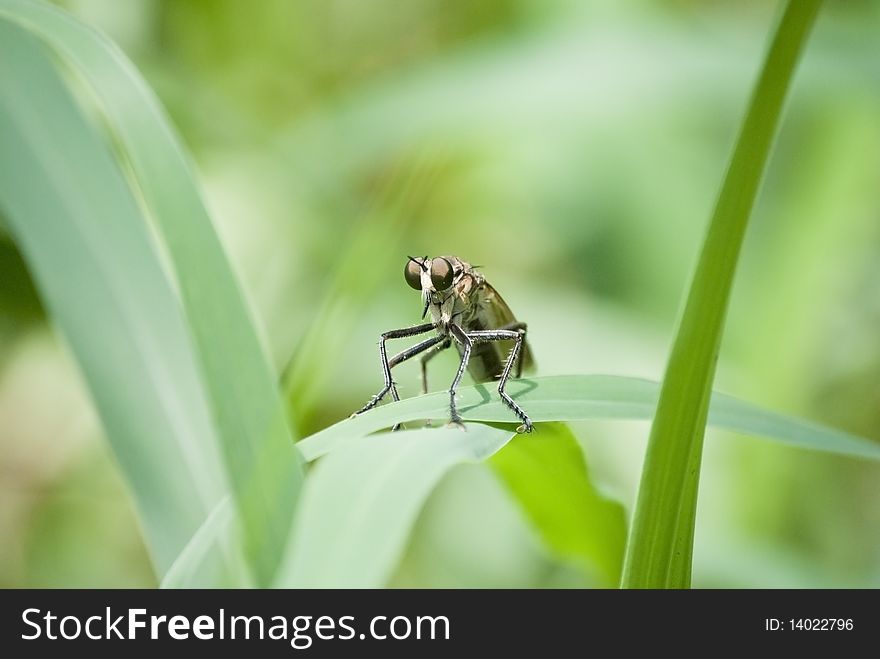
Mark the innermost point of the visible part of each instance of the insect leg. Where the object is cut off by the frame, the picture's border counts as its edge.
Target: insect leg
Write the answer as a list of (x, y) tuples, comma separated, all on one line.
[(418, 348), (407, 354), (517, 325), (428, 357), (386, 367), (506, 335), (461, 336)]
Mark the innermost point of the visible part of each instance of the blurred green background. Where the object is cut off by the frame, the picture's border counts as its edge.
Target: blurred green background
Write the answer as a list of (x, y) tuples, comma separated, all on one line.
[(571, 148)]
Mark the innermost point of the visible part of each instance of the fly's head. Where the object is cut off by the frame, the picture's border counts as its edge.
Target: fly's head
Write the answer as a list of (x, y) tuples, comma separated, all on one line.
[(434, 278)]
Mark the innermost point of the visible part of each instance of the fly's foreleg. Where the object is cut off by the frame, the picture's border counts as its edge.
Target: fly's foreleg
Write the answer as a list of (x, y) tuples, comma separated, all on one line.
[(387, 364), (506, 335), (461, 336), (401, 357)]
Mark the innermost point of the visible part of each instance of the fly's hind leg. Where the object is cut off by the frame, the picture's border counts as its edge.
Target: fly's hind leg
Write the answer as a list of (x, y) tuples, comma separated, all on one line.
[(517, 325), (507, 335), (526, 425)]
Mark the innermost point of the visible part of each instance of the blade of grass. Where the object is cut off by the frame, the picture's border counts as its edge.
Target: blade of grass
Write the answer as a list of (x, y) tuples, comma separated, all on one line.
[(86, 244), (659, 552), (265, 471), (359, 504), (580, 397), (215, 537), (547, 475)]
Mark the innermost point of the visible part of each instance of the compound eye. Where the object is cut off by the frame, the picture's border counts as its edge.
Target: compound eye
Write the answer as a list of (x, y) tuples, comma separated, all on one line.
[(441, 274), (413, 274)]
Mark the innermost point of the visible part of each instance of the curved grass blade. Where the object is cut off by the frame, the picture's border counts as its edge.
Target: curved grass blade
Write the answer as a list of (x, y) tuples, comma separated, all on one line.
[(547, 475), (242, 392), (215, 538), (359, 503), (581, 397), (660, 549), (556, 398), (84, 239)]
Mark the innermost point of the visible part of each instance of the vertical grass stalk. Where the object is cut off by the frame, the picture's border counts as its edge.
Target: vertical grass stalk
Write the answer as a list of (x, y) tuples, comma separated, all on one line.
[(660, 547), (263, 467)]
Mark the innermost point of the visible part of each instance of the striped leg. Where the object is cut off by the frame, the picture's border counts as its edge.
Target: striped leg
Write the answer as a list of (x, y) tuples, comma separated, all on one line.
[(517, 325), (506, 335), (462, 337), (386, 363)]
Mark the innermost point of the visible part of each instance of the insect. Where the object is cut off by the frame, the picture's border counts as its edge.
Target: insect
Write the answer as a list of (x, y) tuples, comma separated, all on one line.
[(465, 311)]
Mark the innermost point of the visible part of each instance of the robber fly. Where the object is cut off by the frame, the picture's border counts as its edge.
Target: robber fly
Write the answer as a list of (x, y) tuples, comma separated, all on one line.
[(465, 311)]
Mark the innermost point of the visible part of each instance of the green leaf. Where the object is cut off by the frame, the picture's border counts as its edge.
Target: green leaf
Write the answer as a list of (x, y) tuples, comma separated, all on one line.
[(241, 388), (216, 538), (659, 553), (580, 397), (547, 475), (359, 503), (77, 225)]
